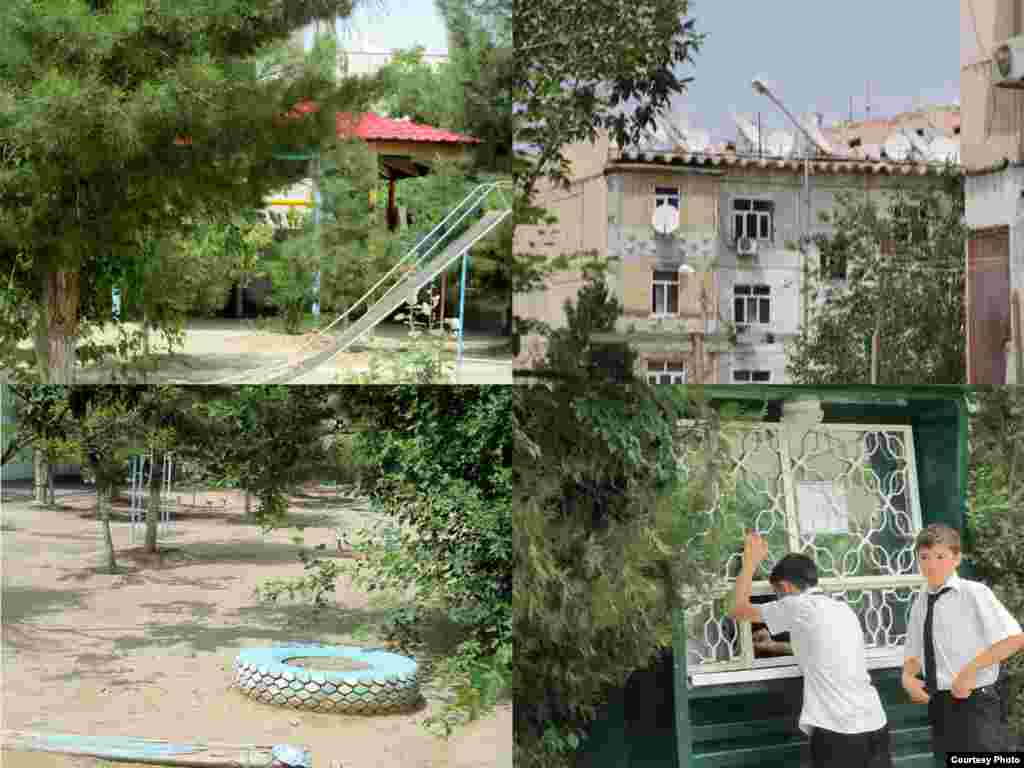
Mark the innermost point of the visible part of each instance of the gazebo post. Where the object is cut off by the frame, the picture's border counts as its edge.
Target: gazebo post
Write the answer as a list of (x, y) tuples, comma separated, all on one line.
[(392, 211)]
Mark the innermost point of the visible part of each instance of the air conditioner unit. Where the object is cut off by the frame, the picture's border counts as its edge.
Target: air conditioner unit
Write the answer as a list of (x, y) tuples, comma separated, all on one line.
[(1008, 63), (746, 246)]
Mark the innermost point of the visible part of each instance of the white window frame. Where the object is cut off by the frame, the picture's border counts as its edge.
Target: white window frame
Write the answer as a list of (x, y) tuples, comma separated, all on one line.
[(668, 196), (742, 216), (674, 372), (752, 298), (750, 373), (664, 285)]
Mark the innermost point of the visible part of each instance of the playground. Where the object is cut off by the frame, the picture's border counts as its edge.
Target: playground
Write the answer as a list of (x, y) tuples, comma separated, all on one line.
[(149, 652)]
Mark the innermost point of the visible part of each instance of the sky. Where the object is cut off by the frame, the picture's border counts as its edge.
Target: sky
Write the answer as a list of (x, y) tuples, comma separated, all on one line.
[(815, 56), (396, 24)]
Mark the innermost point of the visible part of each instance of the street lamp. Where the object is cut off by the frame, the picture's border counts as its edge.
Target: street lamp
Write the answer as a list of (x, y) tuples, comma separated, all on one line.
[(761, 88)]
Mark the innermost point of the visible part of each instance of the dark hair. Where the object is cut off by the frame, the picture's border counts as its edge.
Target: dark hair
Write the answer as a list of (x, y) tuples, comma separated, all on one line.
[(937, 533), (798, 570)]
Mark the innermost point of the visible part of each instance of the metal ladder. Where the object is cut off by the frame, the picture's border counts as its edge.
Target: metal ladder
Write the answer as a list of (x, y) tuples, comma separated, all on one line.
[(418, 267)]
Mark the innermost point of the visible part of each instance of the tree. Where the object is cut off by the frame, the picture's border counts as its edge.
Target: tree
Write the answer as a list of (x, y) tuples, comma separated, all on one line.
[(583, 67), (44, 418), (612, 537), (902, 273), (121, 119)]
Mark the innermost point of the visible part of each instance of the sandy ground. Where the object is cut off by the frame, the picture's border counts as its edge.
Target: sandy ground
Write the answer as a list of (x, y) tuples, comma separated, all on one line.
[(148, 653), (214, 350)]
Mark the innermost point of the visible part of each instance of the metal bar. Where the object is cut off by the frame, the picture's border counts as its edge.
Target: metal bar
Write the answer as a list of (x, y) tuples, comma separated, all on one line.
[(462, 316), (684, 730), (145, 751)]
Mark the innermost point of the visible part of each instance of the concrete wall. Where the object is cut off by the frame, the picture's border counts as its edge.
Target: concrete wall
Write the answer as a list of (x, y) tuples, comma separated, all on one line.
[(992, 117)]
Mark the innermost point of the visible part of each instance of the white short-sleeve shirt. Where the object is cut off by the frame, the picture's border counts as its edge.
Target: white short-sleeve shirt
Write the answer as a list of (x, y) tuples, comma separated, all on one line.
[(966, 621), (828, 643)]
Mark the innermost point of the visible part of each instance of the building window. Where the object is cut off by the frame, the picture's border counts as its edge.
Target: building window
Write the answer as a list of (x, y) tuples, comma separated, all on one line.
[(752, 305), (753, 218), (666, 196), (665, 372), (665, 293), (748, 376)]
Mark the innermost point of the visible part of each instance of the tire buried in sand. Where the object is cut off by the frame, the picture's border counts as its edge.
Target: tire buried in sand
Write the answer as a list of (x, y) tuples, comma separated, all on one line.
[(389, 684)]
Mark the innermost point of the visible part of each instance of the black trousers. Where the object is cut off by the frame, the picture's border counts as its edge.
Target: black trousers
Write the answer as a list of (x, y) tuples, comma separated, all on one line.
[(851, 750), (974, 724)]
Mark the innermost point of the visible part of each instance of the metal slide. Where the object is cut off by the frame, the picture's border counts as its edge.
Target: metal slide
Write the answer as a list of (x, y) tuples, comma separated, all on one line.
[(420, 266)]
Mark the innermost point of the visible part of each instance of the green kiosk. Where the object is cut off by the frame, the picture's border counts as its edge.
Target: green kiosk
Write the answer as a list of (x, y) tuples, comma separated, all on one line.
[(849, 476)]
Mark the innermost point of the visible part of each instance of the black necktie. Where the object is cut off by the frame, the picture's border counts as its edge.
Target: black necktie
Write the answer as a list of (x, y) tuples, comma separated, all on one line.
[(930, 673)]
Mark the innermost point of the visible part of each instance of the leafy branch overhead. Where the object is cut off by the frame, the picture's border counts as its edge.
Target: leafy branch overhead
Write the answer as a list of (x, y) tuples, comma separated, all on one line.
[(584, 66)]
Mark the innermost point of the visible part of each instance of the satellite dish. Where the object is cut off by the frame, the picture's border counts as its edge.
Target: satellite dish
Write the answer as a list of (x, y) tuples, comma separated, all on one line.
[(748, 131), (945, 150), (897, 147), (820, 142), (920, 145), (697, 141), (666, 219), (780, 144)]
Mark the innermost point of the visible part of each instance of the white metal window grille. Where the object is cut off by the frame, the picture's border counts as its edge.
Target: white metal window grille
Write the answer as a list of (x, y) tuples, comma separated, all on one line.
[(665, 372), (752, 305), (847, 495), (665, 293), (753, 218)]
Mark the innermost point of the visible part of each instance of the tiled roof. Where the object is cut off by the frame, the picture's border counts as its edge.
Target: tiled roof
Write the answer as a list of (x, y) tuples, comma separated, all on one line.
[(730, 159), (372, 127)]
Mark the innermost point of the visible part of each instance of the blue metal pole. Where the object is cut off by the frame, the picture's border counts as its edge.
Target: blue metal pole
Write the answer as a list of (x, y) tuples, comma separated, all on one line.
[(462, 315), (316, 224)]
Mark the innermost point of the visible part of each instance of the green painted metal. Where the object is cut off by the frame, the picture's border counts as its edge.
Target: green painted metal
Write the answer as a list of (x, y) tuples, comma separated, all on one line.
[(755, 723)]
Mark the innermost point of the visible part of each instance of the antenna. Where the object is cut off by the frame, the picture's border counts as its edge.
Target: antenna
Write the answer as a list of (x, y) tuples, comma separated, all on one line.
[(748, 131)]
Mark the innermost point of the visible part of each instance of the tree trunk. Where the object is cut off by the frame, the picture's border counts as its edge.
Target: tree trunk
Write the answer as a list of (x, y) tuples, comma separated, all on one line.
[(103, 501), (248, 504), (238, 298), (156, 490), (62, 289), (145, 335), (40, 473)]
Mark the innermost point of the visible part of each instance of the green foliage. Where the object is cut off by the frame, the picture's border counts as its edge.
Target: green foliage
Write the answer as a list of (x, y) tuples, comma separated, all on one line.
[(93, 106), (442, 458), (913, 295), (292, 271), (571, 352), (994, 536), (577, 68), (611, 538)]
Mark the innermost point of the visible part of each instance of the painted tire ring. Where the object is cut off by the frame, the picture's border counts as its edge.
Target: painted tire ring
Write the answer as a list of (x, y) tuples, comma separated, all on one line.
[(390, 685)]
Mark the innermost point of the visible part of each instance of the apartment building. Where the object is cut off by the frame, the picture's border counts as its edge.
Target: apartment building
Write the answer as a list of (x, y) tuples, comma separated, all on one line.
[(701, 239), (992, 102)]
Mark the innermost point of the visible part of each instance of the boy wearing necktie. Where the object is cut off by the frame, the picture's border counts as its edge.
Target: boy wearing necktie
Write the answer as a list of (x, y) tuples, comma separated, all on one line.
[(959, 631), (842, 713)]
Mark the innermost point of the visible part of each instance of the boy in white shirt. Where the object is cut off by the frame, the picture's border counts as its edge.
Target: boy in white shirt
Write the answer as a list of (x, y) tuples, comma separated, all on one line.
[(958, 642), (842, 713)]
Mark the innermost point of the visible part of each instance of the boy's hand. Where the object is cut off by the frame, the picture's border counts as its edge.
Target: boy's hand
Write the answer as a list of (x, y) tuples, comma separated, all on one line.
[(755, 549), (965, 682), (915, 689)]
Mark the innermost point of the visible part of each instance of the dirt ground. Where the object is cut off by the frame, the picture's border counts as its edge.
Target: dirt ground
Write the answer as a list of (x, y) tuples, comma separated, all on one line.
[(148, 653), (217, 349)]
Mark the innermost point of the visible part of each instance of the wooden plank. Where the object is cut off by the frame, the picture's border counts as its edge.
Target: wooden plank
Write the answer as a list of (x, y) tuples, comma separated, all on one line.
[(146, 751)]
